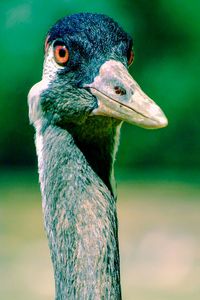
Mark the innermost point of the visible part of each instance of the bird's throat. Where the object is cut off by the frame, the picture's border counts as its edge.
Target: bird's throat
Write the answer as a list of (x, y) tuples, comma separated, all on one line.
[(98, 140)]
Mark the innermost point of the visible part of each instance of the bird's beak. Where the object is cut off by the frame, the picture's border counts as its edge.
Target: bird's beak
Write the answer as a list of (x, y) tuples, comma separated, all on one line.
[(119, 96)]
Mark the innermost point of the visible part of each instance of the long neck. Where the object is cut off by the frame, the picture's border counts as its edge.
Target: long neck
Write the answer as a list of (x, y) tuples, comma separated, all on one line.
[(80, 220)]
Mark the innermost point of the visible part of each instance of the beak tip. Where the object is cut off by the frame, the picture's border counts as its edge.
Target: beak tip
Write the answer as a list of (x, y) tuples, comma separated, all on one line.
[(162, 122), (157, 122)]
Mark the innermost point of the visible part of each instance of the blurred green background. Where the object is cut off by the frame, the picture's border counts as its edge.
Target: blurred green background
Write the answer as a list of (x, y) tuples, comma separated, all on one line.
[(157, 171)]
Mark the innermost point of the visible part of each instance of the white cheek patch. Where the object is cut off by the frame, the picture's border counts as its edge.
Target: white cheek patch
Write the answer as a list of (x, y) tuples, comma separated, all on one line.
[(50, 67), (35, 111)]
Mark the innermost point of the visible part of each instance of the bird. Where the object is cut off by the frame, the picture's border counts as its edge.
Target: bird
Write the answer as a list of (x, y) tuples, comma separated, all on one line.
[(77, 109)]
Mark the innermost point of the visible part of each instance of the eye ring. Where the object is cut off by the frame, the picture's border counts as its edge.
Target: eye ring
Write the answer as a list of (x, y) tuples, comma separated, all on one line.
[(61, 53), (130, 57)]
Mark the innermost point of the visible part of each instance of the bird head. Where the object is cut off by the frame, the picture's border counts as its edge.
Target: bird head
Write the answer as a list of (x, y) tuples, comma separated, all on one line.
[(85, 74)]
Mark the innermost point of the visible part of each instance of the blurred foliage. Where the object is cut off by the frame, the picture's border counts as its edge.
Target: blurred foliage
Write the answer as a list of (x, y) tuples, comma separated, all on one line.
[(167, 47)]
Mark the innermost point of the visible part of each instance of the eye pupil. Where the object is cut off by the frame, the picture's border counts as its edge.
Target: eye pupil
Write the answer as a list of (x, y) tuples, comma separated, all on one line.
[(62, 52)]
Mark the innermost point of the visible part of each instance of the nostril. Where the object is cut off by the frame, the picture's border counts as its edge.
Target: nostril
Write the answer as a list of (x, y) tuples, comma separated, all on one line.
[(119, 90)]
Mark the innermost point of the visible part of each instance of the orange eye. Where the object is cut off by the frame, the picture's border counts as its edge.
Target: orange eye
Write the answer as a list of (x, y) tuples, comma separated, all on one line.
[(130, 58), (61, 54)]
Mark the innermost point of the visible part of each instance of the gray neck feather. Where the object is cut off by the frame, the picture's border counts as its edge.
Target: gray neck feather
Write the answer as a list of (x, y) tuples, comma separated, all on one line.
[(80, 220)]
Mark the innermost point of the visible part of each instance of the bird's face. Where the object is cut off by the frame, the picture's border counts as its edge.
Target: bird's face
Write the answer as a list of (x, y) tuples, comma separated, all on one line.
[(86, 74)]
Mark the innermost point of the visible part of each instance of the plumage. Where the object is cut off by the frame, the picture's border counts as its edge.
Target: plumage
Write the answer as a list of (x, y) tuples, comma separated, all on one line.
[(77, 110)]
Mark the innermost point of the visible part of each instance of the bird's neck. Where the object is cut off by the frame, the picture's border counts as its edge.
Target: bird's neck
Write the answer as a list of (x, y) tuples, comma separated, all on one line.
[(98, 140), (80, 220)]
